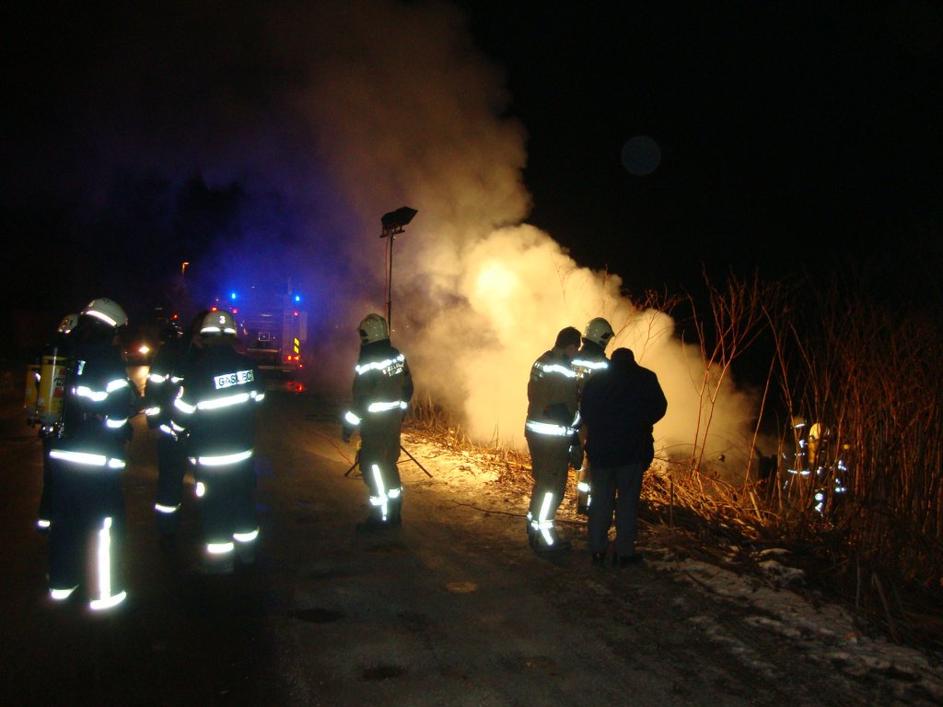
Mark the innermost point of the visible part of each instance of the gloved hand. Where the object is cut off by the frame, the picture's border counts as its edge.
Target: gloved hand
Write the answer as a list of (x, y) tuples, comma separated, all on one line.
[(576, 454)]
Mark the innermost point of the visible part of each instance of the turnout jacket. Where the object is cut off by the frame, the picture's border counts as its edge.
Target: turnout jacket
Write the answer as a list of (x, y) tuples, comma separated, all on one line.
[(619, 408), (99, 401), (216, 406), (590, 359), (163, 383), (382, 384), (552, 395)]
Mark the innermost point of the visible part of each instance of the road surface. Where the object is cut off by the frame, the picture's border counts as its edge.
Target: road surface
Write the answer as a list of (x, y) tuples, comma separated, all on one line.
[(453, 609)]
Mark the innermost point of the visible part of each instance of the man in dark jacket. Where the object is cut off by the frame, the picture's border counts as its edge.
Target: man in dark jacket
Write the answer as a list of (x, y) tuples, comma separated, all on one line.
[(619, 407), (383, 387)]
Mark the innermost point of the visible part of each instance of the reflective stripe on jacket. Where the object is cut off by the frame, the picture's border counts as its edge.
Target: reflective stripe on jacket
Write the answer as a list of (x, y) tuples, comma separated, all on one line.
[(382, 383), (552, 395), (216, 403)]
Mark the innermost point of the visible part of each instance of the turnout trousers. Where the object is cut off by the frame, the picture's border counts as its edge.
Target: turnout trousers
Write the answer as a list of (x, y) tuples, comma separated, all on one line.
[(227, 511), (171, 467), (379, 452), (87, 532), (550, 458), (45, 500), (615, 487)]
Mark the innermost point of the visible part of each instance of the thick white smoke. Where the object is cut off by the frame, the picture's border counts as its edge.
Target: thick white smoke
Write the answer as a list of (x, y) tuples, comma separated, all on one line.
[(337, 112), (478, 293)]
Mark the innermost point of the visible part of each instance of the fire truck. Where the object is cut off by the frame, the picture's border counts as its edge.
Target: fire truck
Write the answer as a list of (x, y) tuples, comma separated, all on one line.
[(272, 324)]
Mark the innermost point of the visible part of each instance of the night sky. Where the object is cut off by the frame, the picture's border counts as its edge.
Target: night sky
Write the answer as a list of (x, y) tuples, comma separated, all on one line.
[(791, 137)]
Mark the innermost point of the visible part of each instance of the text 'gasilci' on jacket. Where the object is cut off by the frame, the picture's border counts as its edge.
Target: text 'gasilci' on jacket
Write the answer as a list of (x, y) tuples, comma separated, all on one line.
[(382, 383)]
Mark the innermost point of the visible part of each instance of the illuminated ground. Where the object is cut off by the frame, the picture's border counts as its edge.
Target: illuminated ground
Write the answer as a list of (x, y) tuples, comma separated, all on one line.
[(452, 609)]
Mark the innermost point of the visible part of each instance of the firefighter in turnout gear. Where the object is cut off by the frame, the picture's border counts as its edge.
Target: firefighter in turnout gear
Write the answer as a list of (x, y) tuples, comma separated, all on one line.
[(89, 455), (382, 390), (163, 384), (552, 404), (50, 394), (215, 407), (590, 359)]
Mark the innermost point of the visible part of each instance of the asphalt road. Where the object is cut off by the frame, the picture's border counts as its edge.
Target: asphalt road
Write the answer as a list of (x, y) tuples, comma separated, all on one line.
[(453, 609)]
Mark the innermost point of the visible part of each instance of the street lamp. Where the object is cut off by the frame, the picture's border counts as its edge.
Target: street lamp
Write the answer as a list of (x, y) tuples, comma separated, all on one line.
[(393, 224)]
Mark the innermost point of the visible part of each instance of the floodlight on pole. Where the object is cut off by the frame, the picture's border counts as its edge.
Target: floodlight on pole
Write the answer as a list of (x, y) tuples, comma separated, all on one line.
[(393, 224)]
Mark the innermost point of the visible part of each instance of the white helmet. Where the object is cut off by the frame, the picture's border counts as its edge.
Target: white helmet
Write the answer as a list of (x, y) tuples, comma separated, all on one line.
[(68, 323), (373, 328), (106, 310), (218, 323), (599, 331)]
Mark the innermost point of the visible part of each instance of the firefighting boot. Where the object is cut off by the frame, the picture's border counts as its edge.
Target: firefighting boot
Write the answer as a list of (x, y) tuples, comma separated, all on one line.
[(395, 517), (245, 546), (583, 491), (548, 542), (531, 529), (218, 558), (167, 525), (374, 522)]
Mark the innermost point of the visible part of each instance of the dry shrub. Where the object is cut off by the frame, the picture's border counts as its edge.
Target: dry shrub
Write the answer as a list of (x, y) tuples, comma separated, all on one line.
[(872, 378)]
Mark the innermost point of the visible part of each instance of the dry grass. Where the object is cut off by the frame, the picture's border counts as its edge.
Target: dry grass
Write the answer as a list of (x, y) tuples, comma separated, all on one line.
[(873, 378)]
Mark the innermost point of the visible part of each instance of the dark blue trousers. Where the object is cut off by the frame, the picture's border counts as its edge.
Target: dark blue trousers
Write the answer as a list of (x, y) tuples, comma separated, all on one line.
[(616, 488)]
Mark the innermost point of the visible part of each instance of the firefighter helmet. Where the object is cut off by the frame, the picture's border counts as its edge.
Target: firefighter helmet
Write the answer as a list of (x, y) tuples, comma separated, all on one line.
[(68, 323), (106, 310), (599, 331), (218, 323), (373, 328)]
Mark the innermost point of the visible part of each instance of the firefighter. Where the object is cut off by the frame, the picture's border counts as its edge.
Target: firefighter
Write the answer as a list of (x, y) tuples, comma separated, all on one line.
[(89, 455), (163, 384), (552, 404), (382, 390), (215, 408), (590, 359), (50, 387)]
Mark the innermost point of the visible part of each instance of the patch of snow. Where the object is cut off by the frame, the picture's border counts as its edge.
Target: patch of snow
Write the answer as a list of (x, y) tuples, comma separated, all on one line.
[(780, 574), (827, 633), (718, 635)]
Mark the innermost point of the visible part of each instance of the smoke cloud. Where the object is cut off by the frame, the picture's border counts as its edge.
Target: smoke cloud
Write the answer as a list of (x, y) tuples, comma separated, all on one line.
[(328, 115)]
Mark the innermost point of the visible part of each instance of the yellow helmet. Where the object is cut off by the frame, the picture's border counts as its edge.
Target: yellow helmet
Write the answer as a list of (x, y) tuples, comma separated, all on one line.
[(599, 331), (218, 323), (373, 328)]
